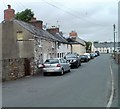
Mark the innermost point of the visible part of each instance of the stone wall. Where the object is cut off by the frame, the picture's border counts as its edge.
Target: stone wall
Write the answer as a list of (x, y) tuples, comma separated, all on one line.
[(13, 69)]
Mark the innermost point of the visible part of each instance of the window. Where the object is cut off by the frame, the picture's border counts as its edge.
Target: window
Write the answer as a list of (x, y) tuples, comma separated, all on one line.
[(19, 35), (52, 61), (62, 61), (58, 55), (62, 54), (67, 45), (52, 45)]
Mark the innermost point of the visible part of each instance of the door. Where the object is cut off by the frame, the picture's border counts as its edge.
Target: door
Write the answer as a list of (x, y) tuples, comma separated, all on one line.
[(27, 67)]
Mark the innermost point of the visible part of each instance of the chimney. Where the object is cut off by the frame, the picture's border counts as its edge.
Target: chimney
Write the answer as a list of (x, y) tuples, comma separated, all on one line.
[(73, 34), (9, 14), (36, 23), (53, 30)]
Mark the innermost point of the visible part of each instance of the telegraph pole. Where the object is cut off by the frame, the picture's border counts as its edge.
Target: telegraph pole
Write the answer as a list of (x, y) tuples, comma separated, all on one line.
[(114, 37)]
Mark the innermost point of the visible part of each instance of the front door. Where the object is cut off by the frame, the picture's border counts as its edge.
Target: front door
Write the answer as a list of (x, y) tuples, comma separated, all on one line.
[(27, 67)]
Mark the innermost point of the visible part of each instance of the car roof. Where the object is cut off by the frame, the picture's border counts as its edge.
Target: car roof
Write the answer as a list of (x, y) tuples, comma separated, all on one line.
[(54, 58)]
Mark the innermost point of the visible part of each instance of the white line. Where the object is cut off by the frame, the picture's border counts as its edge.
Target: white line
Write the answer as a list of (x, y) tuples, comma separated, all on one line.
[(112, 91)]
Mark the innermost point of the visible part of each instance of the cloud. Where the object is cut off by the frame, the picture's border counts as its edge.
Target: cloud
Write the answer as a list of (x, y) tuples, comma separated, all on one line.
[(92, 19)]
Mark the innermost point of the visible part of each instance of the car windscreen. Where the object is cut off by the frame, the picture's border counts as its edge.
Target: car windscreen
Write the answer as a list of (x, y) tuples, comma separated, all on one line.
[(51, 61)]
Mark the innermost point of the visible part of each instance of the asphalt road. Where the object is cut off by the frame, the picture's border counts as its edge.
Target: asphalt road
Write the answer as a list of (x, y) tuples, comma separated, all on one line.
[(87, 86)]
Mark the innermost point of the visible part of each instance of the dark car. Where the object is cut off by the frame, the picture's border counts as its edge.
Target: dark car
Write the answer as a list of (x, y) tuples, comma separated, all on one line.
[(98, 53), (73, 59), (84, 58), (92, 55)]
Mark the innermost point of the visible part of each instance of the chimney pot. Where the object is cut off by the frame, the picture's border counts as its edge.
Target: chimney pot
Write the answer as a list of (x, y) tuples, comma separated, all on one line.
[(9, 6)]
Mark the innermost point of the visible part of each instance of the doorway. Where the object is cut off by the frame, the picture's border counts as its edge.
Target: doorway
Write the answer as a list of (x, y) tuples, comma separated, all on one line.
[(27, 67)]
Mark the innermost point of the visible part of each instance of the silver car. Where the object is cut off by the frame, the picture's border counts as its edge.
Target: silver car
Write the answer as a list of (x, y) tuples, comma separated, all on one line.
[(55, 66)]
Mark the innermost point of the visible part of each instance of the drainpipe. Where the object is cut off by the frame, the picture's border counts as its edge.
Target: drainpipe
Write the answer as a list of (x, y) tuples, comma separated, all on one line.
[(71, 48)]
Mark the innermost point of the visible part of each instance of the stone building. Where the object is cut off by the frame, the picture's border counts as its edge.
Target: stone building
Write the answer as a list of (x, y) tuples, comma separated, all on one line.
[(23, 45), (63, 46)]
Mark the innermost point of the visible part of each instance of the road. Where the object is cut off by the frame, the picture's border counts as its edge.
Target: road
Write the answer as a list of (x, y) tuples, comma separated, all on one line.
[(87, 86)]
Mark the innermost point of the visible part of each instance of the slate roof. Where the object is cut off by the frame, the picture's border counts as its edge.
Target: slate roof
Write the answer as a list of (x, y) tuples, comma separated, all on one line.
[(61, 38), (38, 32), (106, 44), (70, 40)]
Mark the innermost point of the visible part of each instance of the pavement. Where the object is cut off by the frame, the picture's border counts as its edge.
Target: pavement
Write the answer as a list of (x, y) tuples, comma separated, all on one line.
[(115, 71)]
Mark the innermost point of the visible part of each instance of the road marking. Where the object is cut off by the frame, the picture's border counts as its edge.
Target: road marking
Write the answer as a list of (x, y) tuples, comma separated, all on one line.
[(112, 90)]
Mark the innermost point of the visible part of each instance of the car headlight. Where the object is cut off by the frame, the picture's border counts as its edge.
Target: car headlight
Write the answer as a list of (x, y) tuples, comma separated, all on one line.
[(74, 60)]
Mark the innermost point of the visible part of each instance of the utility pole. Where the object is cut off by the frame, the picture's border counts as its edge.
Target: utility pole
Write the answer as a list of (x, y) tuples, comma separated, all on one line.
[(114, 37)]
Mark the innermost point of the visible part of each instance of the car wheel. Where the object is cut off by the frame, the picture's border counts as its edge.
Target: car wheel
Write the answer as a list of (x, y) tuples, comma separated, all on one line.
[(62, 72), (77, 65), (69, 70), (45, 74), (80, 63)]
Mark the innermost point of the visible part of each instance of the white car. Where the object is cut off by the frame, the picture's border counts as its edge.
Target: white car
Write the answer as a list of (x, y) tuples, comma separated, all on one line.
[(88, 54), (55, 66)]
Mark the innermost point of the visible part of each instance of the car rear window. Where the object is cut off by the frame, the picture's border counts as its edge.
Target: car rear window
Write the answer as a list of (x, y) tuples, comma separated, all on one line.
[(70, 56), (52, 61), (83, 56)]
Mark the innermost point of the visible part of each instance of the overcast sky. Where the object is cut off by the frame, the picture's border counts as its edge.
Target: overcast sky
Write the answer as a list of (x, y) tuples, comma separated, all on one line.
[(92, 19)]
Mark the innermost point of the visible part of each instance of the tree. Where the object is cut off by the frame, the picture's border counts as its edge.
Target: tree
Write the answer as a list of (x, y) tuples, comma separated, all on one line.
[(88, 46), (25, 15)]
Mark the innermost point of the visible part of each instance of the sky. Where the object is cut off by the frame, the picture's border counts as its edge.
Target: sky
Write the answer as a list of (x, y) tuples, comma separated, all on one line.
[(92, 19)]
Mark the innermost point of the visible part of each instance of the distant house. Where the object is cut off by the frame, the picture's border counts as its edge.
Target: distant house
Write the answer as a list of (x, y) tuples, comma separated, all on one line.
[(77, 45), (106, 47)]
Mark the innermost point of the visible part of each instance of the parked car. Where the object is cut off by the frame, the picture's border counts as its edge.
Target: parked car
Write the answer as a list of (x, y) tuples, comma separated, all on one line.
[(55, 65), (92, 55), (98, 53), (79, 57), (84, 58), (73, 59), (88, 54)]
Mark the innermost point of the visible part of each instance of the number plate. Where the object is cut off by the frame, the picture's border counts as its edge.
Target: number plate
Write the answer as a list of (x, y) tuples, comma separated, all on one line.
[(51, 70)]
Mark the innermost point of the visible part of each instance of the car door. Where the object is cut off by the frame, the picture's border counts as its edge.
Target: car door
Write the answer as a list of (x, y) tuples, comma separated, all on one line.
[(67, 65), (63, 64)]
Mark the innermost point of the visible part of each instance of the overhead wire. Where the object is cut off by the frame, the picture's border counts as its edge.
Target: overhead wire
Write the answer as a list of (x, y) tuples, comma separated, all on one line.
[(74, 11), (70, 13), (76, 16)]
